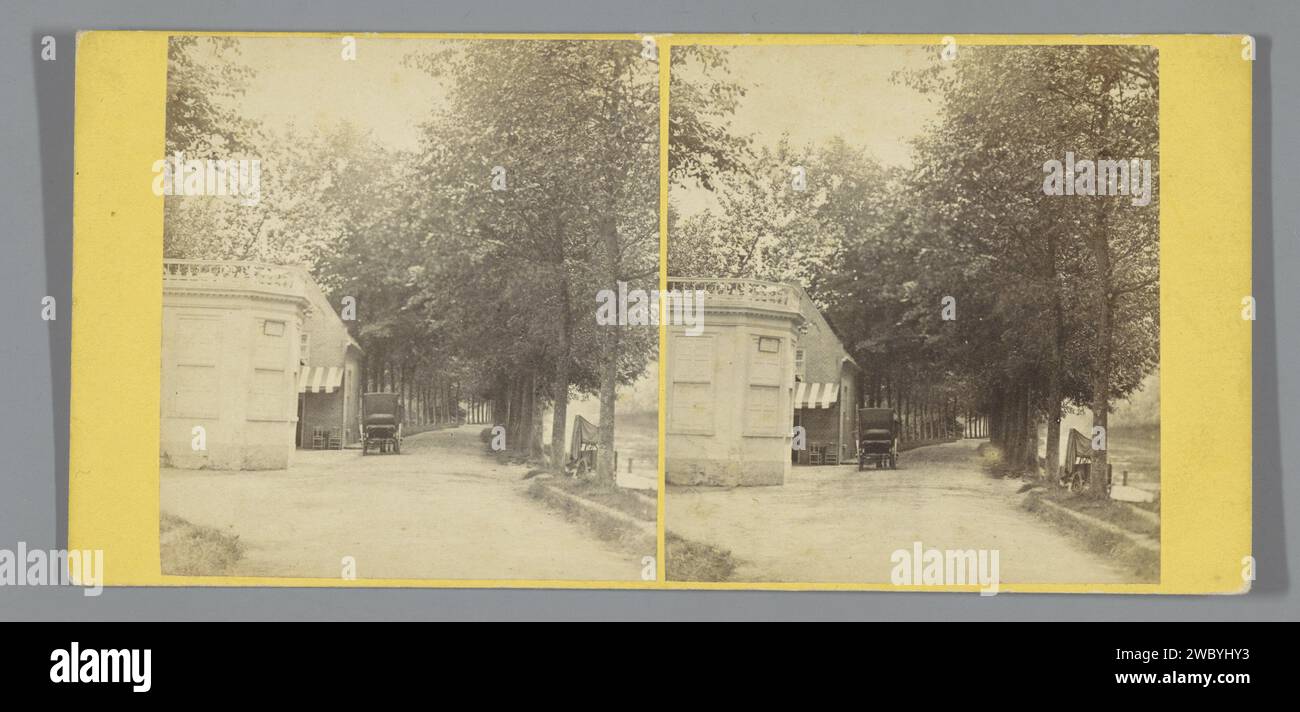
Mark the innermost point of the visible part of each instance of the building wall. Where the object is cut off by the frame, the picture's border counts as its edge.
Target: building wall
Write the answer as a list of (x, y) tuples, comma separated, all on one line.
[(729, 400), (824, 354), (229, 365), (826, 361), (836, 425), (330, 345), (340, 409), (328, 338)]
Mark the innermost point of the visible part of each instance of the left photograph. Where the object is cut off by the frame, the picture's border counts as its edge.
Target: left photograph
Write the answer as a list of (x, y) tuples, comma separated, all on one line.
[(382, 355)]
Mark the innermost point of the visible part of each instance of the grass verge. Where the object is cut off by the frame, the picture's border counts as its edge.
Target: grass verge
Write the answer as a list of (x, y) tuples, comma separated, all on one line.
[(693, 561), (1116, 530), (191, 550), (626, 518), (629, 501), (1111, 529), (623, 519), (1127, 516)]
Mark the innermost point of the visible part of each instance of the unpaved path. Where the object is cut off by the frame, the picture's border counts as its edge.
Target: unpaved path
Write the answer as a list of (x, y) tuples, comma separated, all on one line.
[(835, 524), (441, 509)]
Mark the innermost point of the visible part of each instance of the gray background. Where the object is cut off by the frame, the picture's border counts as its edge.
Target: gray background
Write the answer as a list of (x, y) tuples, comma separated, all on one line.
[(36, 117)]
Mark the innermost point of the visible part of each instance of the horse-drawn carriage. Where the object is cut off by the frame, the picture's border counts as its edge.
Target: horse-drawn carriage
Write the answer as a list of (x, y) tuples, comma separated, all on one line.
[(381, 423), (878, 430)]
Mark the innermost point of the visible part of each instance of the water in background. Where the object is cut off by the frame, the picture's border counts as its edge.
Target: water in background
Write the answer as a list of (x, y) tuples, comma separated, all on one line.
[(1133, 438), (636, 428)]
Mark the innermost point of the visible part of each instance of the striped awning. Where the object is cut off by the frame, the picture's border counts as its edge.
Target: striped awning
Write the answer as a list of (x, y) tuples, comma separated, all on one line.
[(319, 379), (815, 395)]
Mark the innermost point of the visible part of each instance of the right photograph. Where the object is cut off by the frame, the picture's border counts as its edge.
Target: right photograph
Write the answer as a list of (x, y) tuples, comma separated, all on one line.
[(928, 352)]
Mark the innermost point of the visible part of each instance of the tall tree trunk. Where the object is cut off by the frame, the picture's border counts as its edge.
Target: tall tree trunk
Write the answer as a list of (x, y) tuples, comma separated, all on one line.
[(609, 365), (1099, 245), (1056, 363), (1029, 426), (535, 437), (1032, 424), (1101, 367), (608, 393), (508, 414), (995, 417), (1022, 431), (560, 379), (904, 435), (1011, 433)]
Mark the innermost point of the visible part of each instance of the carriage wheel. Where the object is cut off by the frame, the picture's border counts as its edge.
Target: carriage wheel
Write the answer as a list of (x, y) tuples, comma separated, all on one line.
[(1077, 483)]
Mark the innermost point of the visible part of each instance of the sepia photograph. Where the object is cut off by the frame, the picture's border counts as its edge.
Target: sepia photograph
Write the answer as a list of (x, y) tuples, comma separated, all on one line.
[(615, 311), (930, 352), (382, 264)]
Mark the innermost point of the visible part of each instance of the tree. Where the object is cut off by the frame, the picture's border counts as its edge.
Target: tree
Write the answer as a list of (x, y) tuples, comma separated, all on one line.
[(699, 114), (1054, 297), (572, 130), (1086, 267), (204, 78)]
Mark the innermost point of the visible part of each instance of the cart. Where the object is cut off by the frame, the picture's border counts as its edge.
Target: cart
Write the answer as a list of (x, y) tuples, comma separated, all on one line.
[(1076, 476), (878, 438), (582, 447), (381, 423)]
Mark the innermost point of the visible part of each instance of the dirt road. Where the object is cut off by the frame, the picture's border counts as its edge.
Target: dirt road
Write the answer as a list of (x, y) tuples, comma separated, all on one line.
[(441, 509), (835, 524)]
